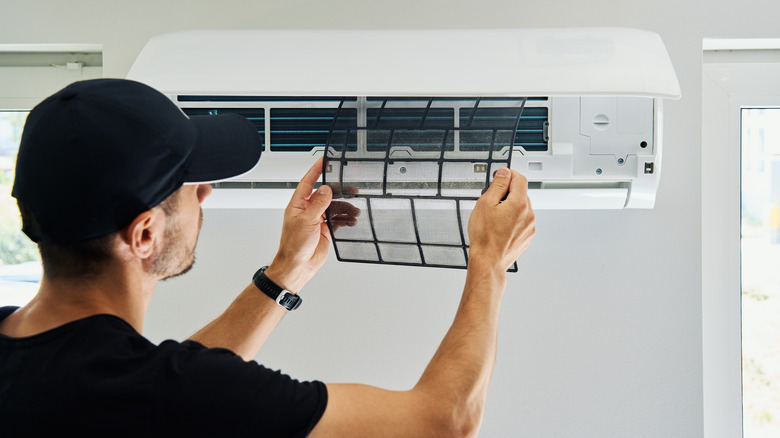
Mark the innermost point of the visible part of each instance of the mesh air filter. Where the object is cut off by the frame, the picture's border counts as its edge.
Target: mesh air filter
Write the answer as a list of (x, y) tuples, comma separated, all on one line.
[(414, 168)]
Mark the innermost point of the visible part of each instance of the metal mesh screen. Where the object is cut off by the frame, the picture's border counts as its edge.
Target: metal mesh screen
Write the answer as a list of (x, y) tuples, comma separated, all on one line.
[(414, 170)]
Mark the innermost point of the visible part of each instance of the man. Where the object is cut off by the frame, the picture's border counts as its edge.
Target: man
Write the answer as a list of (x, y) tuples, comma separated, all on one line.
[(109, 182)]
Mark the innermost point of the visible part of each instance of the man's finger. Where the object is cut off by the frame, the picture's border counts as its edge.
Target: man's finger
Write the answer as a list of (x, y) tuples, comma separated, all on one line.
[(499, 187), (306, 185), (319, 202), (518, 187)]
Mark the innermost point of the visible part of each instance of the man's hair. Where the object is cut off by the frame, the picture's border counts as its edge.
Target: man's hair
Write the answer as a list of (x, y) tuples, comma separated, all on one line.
[(82, 259)]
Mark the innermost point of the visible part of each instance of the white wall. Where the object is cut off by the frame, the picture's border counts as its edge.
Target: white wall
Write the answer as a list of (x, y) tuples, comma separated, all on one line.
[(600, 332)]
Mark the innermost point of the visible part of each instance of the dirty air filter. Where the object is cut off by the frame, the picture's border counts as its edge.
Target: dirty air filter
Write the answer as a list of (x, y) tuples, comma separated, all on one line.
[(414, 168)]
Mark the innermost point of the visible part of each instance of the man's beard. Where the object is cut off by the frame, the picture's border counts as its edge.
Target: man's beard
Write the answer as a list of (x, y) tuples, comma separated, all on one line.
[(176, 257)]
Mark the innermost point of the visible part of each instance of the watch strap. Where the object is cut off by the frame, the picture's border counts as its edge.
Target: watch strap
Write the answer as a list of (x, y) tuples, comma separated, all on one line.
[(284, 298)]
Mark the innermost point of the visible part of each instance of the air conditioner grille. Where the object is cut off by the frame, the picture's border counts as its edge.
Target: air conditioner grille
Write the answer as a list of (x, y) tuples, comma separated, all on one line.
[(302, 129), (301, 124)]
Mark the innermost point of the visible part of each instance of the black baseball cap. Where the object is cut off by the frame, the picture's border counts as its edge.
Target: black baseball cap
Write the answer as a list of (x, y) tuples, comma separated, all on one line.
[(99, 152)]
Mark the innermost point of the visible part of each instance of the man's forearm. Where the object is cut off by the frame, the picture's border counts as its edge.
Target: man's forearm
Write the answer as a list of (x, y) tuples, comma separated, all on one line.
[(459, 373), (449, 398), (244, 326)]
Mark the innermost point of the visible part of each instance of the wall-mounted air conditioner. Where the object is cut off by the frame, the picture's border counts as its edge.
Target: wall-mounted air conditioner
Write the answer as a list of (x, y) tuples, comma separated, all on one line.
[(578, 110)]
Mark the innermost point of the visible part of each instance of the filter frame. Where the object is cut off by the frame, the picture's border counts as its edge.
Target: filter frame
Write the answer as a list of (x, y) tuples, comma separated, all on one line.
[(421, 188)]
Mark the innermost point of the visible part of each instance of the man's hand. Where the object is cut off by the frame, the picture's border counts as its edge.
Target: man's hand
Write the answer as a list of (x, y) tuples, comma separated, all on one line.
[(247, 323), (502, 224), (305, 237)]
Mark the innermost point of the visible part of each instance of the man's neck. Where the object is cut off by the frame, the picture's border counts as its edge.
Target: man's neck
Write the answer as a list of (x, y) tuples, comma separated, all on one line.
[(120, 291)]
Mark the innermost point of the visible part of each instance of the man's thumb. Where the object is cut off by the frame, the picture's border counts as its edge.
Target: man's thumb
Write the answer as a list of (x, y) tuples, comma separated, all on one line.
[(499, 187), (320, 200)]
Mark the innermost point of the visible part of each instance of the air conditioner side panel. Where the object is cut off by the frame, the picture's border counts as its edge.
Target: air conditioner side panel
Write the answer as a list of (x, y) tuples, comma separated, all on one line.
[(600, 141)]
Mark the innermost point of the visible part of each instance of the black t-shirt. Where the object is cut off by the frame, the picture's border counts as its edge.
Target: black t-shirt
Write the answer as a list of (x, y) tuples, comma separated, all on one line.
[(98, 376)]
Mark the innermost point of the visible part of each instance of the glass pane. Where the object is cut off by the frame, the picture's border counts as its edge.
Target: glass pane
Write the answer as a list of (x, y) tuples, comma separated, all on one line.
[(20, 268), (761, 272)]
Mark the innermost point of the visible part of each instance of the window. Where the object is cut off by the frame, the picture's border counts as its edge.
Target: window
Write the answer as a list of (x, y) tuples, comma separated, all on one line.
[(20, 267), (28, 74)]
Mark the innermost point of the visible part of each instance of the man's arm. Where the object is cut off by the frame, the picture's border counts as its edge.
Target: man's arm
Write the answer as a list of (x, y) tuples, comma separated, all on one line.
[(449, 398), (252, 316)]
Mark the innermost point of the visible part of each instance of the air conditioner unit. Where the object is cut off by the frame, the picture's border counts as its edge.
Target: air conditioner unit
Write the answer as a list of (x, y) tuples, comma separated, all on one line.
[(577, 110)]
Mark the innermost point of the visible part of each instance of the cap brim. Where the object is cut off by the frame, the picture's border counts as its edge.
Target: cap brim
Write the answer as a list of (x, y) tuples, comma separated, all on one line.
[(228, 145)]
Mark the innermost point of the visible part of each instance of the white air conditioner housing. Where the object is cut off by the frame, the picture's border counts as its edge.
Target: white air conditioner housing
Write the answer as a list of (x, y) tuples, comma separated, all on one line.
[(592, 99)]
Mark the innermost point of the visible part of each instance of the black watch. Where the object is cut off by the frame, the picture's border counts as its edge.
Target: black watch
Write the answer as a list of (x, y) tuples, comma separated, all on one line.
[(284, 298)]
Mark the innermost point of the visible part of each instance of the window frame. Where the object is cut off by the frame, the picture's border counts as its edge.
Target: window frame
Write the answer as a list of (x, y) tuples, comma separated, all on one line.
[(722, 103)]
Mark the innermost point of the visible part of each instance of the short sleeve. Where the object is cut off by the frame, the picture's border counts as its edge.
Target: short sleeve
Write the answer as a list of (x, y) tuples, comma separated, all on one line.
[(212, 391)]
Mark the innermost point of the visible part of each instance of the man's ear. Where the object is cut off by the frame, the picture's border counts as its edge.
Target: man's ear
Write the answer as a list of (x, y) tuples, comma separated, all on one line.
[(144, 231)]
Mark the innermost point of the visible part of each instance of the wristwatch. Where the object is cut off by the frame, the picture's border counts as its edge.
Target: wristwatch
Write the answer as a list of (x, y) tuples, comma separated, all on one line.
[(284, 298)]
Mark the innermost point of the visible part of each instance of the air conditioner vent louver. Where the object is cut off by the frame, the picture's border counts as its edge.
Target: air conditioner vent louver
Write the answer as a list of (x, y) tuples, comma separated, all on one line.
[(419, 124), (303, 129)]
